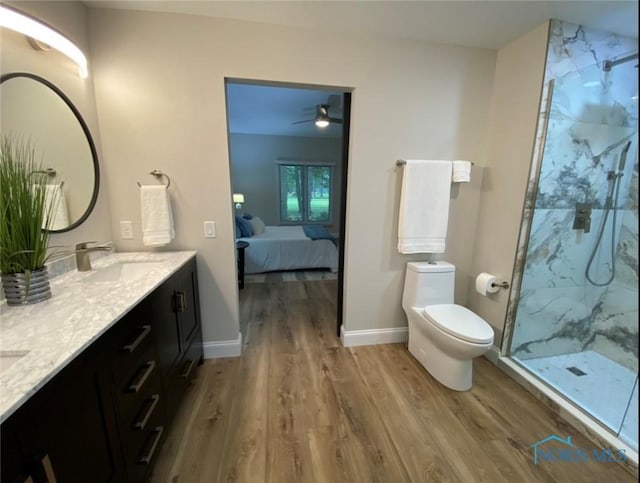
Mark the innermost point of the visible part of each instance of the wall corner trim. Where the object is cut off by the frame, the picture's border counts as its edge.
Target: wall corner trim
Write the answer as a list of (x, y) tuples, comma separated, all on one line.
[(222, 348), (352, 338)]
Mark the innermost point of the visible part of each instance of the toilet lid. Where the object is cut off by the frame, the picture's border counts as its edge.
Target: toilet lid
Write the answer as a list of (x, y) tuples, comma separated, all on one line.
[(460, 322)]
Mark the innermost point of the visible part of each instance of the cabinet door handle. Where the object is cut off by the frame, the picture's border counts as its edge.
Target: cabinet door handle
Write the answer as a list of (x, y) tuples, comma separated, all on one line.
[(181, 301), (136, 385), (187, 368), (48, 469), (141, 336), (139, 426), (146, 459)]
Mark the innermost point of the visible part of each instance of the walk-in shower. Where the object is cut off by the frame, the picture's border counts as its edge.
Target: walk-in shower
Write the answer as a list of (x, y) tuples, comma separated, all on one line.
[(574, 319)]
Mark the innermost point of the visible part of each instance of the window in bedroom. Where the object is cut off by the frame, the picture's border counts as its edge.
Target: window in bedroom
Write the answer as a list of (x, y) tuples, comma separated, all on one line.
[(305, 193)]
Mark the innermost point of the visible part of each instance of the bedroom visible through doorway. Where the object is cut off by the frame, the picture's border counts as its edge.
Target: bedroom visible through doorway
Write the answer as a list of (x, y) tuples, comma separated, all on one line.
[(288, 164)]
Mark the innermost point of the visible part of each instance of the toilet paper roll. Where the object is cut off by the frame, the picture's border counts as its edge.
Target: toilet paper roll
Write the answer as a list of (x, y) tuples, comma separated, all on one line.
[(486, 283)]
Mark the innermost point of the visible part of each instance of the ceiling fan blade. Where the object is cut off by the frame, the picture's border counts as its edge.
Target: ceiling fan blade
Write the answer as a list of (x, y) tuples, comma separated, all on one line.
[(300, 122), (336, 120)]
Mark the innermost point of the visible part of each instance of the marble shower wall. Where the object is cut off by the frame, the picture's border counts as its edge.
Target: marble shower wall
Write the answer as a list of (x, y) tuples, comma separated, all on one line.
[(592, 115)]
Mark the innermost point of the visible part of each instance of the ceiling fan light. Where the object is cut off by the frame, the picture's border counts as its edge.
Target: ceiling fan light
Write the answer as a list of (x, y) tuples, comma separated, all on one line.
[(322, 122)]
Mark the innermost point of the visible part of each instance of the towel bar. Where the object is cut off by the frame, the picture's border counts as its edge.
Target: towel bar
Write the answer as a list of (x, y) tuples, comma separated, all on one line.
[(49, 172), (158, 174), (402, 162)]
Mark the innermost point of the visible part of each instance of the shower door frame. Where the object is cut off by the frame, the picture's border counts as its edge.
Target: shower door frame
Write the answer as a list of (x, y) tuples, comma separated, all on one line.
[(528, 209)]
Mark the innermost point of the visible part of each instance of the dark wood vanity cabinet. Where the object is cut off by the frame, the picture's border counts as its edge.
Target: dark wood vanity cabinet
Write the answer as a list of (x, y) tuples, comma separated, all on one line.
[(137, 389), (67, 431), (179, 337), (104, 416)]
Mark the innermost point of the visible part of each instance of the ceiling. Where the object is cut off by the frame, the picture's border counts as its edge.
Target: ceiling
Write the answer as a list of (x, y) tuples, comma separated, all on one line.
[(260, 109), (486, 24), (483, 24)]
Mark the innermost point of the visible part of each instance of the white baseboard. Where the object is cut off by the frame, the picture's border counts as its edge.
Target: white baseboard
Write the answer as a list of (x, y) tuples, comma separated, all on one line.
[(493, 355), (353, 338), (222, 348)]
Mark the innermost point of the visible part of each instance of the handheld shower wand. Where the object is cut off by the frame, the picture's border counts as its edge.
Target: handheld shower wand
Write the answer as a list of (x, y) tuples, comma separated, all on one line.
[(623, 157), (611, 204)]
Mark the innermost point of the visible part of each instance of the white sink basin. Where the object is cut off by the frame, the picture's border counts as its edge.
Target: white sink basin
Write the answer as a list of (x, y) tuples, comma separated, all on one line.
[(122, 271), (9, 358)]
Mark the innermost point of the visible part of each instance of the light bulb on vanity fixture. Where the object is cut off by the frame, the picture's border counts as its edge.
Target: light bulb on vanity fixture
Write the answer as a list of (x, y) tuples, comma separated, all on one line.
[(41, 33), (238, 199)]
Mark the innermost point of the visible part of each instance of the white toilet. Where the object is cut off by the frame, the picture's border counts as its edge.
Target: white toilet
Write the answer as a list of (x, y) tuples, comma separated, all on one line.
[(443, 336)]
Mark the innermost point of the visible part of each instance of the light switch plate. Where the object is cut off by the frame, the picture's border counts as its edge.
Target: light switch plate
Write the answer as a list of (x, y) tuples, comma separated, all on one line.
[(209, 229), (126, 230)]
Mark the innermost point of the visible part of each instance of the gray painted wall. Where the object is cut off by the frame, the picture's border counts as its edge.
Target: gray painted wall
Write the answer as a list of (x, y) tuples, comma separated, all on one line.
[(254, 171)]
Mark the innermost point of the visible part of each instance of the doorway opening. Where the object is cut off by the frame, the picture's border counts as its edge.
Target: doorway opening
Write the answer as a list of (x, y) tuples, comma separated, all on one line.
[(288, 154)]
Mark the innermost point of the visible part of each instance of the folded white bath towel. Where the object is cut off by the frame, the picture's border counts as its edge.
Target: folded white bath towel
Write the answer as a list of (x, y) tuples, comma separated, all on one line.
[(461, 172), (55, 206), (157, 217), (424, 206)]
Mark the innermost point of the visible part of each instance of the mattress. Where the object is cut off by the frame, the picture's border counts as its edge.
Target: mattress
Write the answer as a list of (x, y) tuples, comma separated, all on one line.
[(287, 248)]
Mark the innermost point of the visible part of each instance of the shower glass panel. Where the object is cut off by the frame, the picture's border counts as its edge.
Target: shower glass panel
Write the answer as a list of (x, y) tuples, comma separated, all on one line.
[(576, 325)]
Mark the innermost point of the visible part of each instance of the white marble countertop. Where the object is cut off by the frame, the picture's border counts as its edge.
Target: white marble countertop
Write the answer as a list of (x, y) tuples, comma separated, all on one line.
[(55, 331)]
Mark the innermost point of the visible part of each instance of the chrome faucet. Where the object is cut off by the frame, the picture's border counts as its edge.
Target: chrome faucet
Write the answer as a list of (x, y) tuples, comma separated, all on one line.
[(83, 262)]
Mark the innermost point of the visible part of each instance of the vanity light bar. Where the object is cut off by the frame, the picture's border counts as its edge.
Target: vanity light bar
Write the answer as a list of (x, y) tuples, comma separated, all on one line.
[(30, 27)]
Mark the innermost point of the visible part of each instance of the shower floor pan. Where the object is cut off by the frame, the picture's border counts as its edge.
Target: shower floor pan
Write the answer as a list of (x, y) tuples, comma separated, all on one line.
[(599, 385)]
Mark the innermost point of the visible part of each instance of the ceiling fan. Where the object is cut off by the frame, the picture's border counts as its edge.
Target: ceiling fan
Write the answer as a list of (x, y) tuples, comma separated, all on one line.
[(322, 118)]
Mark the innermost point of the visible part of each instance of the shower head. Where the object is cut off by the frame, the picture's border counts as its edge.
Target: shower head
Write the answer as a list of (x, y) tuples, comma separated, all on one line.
[(623, 156)]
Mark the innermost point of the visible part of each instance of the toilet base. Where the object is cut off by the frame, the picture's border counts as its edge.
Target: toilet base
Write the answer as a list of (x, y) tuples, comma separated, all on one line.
[(453, 373), (446, 358)]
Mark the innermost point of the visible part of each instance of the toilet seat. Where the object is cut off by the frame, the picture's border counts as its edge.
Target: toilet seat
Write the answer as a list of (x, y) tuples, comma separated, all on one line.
[(459, 322)]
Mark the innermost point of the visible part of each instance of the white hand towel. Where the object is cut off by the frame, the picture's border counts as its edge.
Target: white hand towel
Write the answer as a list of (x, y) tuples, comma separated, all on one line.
[(157, 217), (461, 172), (424, 206), (55, 206)]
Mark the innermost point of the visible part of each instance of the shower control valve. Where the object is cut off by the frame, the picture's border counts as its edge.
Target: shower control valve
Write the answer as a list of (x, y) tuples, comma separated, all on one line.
[(582, 217)]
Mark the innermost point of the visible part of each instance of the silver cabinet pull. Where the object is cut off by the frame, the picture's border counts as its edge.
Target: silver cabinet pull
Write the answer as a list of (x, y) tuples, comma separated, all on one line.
[(133, 345), (188, 366), (135, 386), (139, 426), (146, 459)]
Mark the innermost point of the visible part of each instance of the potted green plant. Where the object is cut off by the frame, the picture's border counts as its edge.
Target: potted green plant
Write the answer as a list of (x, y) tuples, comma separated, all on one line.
[(24, 219)]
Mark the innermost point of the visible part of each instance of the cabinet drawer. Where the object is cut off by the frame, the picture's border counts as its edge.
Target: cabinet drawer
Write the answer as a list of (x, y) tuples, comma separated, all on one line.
[(132, 344), (143, 381), (142, 445)]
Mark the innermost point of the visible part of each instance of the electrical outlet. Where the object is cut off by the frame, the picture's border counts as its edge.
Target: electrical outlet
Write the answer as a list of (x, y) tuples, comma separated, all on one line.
[(126, 230), (209, 229)]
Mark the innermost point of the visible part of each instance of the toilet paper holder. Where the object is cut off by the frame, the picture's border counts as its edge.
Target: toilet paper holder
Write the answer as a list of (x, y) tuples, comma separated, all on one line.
[(501, 284)]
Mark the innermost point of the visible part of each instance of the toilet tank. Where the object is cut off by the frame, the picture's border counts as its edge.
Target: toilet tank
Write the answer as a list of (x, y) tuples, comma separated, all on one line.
[(428, 283)]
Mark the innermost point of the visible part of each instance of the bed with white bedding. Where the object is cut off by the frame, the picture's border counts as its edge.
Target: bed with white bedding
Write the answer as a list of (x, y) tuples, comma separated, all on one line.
[(287, 248)]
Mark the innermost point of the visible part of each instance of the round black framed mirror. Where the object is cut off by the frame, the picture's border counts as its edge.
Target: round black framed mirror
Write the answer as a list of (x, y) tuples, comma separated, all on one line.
[(34, 109)]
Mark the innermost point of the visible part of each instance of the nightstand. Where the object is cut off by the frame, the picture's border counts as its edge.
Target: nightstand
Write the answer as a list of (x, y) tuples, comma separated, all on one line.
[(240, 246)]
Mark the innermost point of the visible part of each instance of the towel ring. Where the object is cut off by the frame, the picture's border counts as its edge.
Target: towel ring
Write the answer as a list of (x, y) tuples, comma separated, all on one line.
[(158, 174)]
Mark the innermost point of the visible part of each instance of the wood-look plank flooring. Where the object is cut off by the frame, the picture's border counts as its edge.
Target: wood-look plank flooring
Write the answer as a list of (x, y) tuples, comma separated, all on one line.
[(299, 407)]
